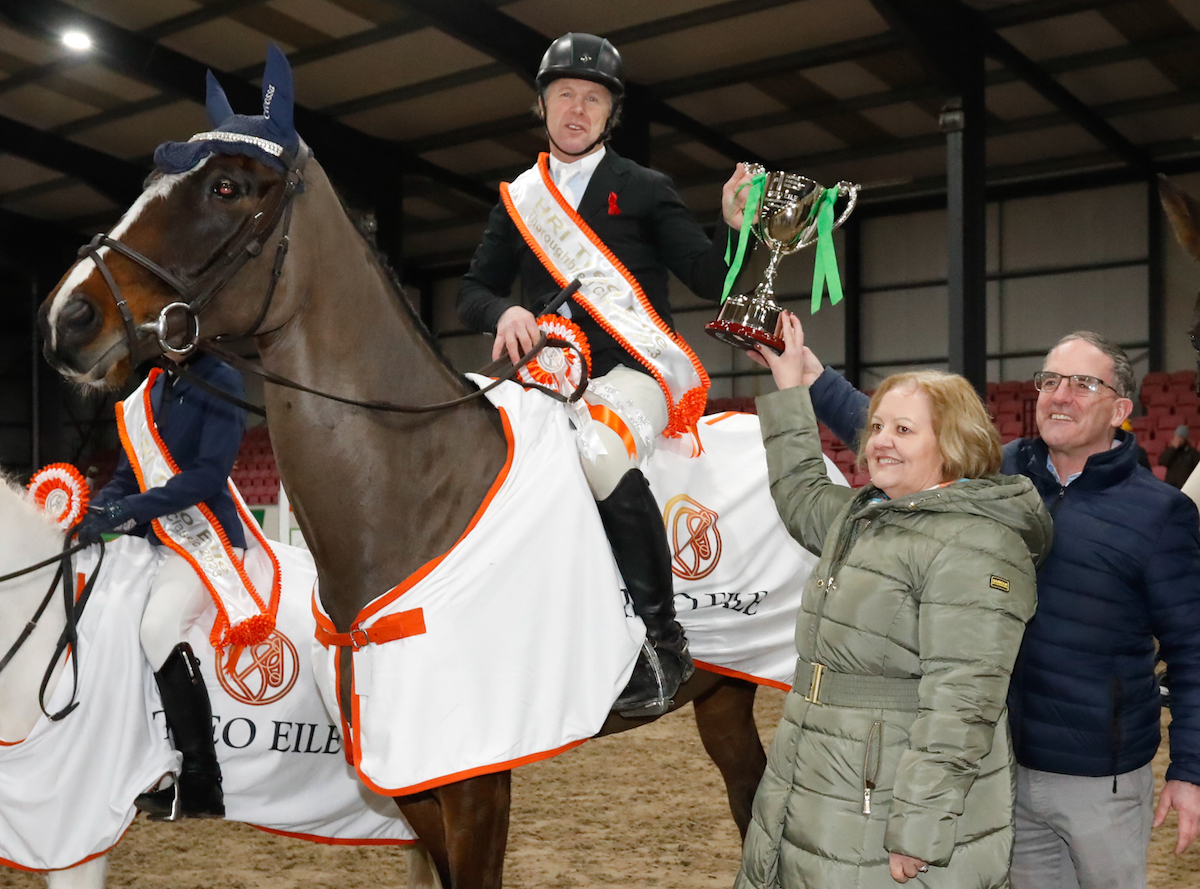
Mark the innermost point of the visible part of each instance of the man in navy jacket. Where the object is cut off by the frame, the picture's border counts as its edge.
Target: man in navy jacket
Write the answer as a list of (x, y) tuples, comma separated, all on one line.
[(1124, 571), (203, 434)]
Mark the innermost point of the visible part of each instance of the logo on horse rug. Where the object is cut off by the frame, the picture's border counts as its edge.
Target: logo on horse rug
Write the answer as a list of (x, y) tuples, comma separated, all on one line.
[(695, 540), (258, 674)]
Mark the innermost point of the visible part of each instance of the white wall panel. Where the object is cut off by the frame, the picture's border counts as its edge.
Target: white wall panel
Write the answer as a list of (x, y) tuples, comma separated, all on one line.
[(1039, 311), (1074, 228)]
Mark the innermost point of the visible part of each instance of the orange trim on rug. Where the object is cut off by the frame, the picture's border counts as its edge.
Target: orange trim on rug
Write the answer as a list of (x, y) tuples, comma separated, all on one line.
[(395, 592), (463, 775), (737, 674), (49, 870), (613, 421), (387, 629), (324, 623), (334, 841), (717, 418)]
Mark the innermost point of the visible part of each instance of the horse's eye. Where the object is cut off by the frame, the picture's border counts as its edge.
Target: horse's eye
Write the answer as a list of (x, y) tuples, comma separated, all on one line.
[(225, 189)]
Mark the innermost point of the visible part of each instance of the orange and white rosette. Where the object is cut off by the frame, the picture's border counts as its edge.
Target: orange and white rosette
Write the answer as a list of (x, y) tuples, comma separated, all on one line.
[(61, 492), (557, 367)]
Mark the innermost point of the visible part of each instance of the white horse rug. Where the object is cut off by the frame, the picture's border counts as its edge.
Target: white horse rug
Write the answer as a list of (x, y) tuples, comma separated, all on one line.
[(67, 790), (512, 646)]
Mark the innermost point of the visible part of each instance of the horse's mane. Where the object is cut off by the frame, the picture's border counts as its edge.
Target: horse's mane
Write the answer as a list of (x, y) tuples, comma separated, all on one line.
[(24, 528), (360, 219)]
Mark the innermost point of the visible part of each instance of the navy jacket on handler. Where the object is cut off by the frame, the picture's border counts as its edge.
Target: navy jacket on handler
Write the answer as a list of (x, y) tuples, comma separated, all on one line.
[(652, 233), (203, 434), (1124, 570)]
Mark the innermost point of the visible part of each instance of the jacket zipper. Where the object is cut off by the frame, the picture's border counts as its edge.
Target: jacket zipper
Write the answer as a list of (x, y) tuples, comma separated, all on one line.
[(872, 760)]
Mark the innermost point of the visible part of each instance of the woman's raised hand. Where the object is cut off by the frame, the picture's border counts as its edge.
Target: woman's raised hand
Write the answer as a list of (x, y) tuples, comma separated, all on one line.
[(797, 366)]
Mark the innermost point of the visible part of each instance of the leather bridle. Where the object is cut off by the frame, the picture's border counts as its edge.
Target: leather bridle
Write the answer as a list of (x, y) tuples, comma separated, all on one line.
[(246, 244)]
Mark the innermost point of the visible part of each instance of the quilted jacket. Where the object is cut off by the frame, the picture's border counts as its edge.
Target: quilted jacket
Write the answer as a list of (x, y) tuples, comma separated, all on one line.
[(936, 587)]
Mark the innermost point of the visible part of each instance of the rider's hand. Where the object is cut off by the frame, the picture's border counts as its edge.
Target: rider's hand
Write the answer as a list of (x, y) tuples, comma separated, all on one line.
[(516, 332), (733, 202), (103, 518), (797, 366)]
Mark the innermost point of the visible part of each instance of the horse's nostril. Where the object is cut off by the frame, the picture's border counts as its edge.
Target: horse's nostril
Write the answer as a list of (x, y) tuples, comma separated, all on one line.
[(79, 314)]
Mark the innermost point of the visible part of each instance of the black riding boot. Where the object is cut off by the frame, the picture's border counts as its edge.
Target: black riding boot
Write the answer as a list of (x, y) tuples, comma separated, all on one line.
[(638, 538), (197, 791)]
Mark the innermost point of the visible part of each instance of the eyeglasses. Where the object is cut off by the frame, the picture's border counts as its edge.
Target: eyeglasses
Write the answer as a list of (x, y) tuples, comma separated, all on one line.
[(1080, 384)]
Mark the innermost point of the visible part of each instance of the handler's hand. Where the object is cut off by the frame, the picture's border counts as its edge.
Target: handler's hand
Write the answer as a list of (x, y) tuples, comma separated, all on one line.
[(516, 331), (797, 366), (1184, 798), (733, 202), (904, 868)]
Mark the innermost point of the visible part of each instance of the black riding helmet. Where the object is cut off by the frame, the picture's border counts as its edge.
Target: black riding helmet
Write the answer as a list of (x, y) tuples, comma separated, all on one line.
[(584, 57)]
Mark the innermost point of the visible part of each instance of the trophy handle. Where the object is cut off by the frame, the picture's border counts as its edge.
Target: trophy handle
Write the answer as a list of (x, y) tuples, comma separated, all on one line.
[(850, 191)]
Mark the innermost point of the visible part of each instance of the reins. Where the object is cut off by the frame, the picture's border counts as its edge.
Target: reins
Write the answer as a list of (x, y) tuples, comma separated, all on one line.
[(246, 244), (73, 609)]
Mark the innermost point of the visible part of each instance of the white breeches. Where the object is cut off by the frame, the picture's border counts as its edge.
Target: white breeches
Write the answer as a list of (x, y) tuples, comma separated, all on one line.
[(177, 599), (643, 391)]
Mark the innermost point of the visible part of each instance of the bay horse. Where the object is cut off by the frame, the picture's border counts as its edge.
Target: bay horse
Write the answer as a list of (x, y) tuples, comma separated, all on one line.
[(377, 495)]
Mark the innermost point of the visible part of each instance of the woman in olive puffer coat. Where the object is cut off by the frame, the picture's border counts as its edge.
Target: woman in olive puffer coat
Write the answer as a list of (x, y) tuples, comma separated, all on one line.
[(901, 768)]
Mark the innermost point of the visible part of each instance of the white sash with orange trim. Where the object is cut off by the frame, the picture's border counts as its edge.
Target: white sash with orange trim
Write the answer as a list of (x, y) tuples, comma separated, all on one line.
[(244, 615), (569, 249), (67, 790), (512, 647)]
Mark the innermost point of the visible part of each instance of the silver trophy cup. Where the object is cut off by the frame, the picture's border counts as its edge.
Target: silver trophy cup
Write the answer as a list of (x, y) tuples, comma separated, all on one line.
[(786, 222)]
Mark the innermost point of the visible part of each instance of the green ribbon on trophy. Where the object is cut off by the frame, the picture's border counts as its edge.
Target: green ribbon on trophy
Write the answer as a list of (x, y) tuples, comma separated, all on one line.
[(753, 200), (825, 268)]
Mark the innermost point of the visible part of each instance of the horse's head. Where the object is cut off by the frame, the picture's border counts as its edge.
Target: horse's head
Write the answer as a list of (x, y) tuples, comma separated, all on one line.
[(1184, 212), (206, 209)]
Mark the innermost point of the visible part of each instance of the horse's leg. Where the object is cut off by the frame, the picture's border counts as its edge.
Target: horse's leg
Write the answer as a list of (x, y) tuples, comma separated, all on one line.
[(725, 718), (89, 875), (422, 870), (464, 827)]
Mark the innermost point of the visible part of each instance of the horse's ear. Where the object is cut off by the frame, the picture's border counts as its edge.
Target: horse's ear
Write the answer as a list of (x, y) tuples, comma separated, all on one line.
[(1184, 212), (278, 92), (216, 103)]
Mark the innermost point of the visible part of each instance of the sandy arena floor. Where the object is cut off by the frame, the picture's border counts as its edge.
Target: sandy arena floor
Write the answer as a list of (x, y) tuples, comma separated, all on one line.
[(641, 809)]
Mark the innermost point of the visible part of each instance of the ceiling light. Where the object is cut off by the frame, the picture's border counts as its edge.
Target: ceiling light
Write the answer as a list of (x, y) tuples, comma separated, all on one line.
[(77, 40)]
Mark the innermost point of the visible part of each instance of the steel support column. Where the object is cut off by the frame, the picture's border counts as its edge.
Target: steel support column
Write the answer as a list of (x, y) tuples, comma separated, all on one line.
[(963, 121), (1156, 302), (631, 138), (852, 288)]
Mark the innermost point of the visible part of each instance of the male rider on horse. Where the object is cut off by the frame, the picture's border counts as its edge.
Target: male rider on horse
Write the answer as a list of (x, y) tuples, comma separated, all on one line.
[(584, 211), (202, 434)]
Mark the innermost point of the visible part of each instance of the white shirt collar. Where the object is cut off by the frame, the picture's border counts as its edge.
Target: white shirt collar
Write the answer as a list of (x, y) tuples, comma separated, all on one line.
[(586, 166)]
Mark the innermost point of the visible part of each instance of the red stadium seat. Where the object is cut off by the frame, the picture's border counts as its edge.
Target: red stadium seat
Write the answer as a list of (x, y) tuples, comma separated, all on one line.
[(1183, 376), (1156, 378), (1159, 396), (1160, 472)]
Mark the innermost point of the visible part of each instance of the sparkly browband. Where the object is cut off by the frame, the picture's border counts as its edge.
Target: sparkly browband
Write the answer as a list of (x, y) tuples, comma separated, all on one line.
[(271, 148)]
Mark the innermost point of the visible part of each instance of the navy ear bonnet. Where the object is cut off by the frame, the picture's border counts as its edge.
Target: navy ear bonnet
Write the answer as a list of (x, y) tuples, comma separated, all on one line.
[(270, 137)]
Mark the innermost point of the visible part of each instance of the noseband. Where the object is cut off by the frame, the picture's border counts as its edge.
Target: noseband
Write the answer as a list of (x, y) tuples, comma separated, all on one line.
[(246, 244)]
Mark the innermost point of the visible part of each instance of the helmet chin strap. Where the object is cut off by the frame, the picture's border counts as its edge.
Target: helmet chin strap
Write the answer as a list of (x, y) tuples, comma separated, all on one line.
[(603, 137)]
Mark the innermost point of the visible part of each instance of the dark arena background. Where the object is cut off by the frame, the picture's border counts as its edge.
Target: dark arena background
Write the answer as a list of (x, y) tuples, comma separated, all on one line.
[(1008, 151)]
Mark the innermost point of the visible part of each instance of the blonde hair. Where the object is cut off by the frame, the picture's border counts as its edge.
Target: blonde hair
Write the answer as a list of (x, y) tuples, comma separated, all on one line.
[(967, 441)]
